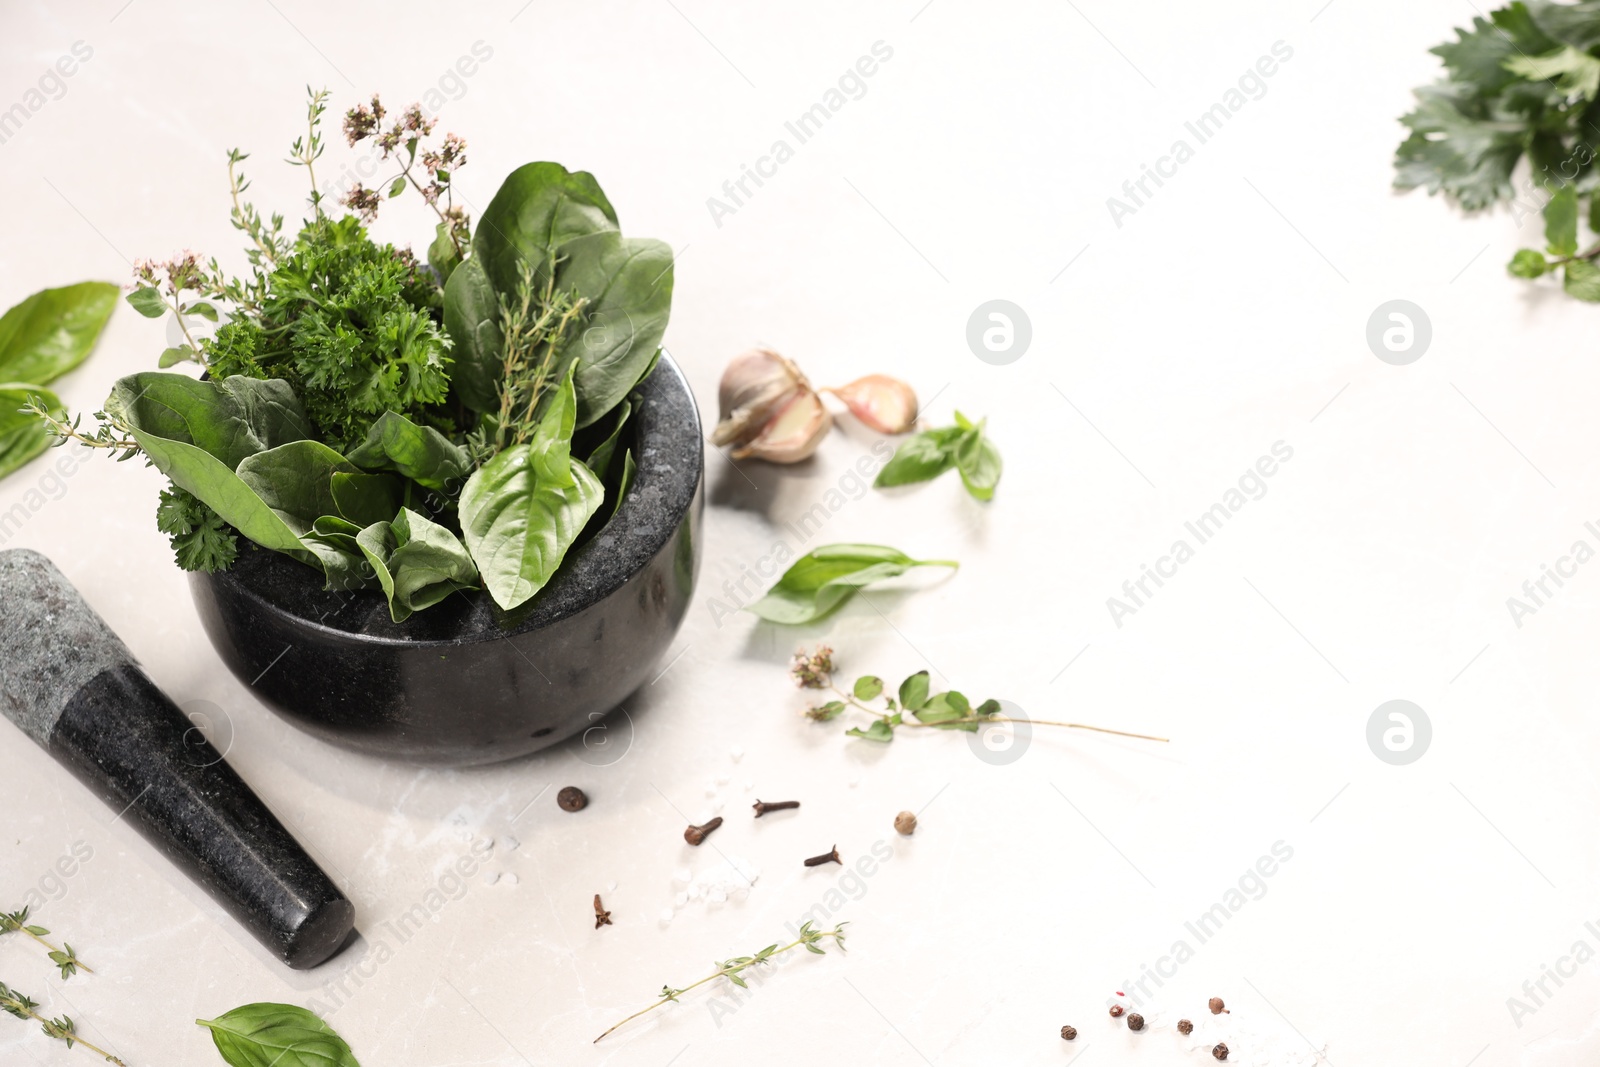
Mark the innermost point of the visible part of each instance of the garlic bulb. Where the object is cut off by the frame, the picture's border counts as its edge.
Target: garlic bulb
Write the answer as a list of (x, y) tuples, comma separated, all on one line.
[(885, 404), (769, 410)]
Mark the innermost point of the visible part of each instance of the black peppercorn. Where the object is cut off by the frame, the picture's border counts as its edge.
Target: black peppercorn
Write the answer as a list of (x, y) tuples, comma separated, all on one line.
[(1185, 1026), (1221, 1051), (572, 799), (1069, 1033), (1135, 1021)]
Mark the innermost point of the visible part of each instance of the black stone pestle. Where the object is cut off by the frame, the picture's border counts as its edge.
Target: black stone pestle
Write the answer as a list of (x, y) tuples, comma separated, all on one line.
[(69, 683)]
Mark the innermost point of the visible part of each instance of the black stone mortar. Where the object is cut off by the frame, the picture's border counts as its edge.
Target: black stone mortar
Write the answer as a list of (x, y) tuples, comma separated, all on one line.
[(463, 682)]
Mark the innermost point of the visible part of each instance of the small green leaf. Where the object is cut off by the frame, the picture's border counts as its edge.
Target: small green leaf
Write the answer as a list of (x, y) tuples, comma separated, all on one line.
[(203, 309), (914, 691), (921, 458), (831, 710), (53, 331), (36, 931), (397, 187), (1561, 221), (175, 355), (824, 578), (987, 708), (811, 947), (868, 687), (1582, 280), (878, 731), (277, 1035), (736, 980), (1528, 263), (146, 300)]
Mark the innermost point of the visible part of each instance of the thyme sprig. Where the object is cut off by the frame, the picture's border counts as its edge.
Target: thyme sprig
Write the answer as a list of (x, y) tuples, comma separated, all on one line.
[(108, 434), (62, 1029), (65, 957), (732, 969), (533, 322), (913, 704)]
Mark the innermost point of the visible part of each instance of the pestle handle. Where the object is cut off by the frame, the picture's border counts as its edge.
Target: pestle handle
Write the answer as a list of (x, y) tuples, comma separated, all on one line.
[(71, 684)]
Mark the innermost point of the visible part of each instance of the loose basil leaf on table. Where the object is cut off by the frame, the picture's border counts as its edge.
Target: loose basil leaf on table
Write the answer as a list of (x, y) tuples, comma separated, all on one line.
[(824, 578), (53, 331), (964, 447), (277, 1035), (22, 433), (421, 453), (418, 562)]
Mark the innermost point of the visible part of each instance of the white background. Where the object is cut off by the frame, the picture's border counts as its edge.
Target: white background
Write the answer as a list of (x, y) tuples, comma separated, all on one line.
[(1229, 313)]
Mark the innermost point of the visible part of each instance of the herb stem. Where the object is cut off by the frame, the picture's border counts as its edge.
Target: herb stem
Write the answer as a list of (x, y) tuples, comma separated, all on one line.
[(22, 1008), (850, 698), (808, 937)]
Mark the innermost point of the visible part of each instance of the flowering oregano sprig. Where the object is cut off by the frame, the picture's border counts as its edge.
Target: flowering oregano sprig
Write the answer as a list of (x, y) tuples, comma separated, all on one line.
[(410, 132), (912, 705), (809, 938)]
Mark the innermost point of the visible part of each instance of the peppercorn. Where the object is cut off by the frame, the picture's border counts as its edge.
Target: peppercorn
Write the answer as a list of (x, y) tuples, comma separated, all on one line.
[(1217, 1007), (572, 799), (1117, 1010), (1069, 1033), (1135, 1021), (1185, 1026), (1220, 1052), (906, 823)]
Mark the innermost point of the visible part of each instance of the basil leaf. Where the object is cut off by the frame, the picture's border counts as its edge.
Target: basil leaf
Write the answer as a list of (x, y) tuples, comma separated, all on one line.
[(421, 453), (472, 319), (418, 562), (1582, 280), (980, 469), (22, 433), (624, 483), (922, 458), (305, 480), (519, 529), (824, 578), (53, 330), (550, 451), (914, 691), (599, 460), (231, 419), (277, 1035), (537, 209), (628, 285)]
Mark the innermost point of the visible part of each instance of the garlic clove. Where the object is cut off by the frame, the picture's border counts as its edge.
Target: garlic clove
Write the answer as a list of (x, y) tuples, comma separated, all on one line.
[(885, 404), (793, 433), (754, 386)]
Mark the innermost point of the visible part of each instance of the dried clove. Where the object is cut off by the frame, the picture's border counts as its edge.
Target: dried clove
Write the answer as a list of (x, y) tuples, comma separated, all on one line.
[(762, 807), (602, 917), (831, 856), (696, 834)]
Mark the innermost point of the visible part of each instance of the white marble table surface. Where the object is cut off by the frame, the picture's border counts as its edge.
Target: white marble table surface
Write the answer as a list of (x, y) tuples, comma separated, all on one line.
[(1172, 347)]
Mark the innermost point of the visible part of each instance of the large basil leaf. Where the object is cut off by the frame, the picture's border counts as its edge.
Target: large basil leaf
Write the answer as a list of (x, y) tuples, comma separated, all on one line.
[(22, 434), (538, 209), (824, 578), (519, 529), (418, 562), (53, 330), (304, 480), (628, 284), (231, 419), (421, 453), (472, 320), (277, 1035)]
